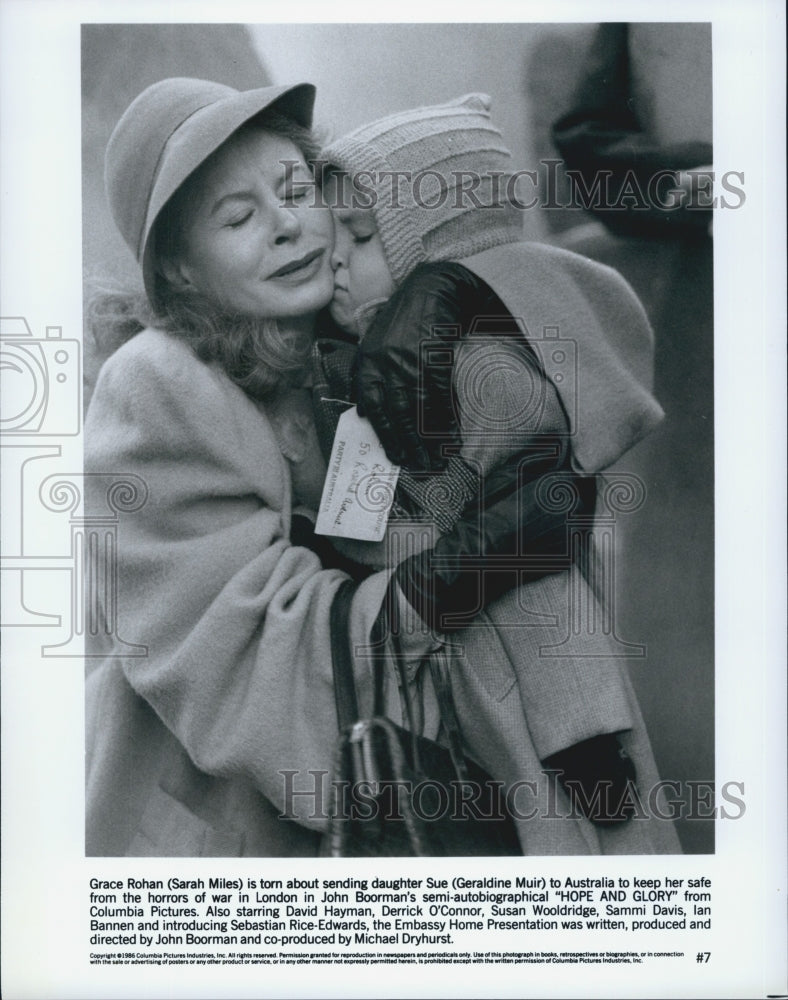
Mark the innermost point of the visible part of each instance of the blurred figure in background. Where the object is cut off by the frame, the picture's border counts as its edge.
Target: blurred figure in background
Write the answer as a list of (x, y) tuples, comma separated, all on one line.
[(639, 128)]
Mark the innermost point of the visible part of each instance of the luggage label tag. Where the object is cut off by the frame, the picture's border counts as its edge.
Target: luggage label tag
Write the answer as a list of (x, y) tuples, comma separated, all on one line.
[(360, 483)]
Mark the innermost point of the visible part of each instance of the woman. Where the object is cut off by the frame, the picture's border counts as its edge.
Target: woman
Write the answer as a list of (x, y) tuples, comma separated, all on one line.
[(204, 407), (228, 719)]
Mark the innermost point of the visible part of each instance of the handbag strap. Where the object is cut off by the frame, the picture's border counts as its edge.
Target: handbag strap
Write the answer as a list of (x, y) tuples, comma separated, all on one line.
[(441, 681), (341, 657), (392, 618), (345, 694)]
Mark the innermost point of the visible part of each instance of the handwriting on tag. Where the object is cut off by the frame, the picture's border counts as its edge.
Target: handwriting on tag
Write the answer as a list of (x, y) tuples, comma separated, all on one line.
[(360, 483)]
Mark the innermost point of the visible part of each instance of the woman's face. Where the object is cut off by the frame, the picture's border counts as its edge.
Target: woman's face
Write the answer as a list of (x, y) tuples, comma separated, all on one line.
[(250, 241)]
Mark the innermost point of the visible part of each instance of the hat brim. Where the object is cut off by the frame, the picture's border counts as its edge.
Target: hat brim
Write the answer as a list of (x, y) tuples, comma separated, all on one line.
[(200, 135)]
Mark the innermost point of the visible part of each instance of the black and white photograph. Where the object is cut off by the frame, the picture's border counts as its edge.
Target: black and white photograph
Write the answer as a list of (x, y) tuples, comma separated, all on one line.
[(562, 420), (393, 485)]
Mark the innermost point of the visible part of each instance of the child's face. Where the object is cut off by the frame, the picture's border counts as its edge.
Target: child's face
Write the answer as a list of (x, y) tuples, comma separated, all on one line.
[(362, 279)]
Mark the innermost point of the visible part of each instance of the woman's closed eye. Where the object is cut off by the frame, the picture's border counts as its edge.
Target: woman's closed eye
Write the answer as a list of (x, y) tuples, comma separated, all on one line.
[(237, 221), (363, 238)]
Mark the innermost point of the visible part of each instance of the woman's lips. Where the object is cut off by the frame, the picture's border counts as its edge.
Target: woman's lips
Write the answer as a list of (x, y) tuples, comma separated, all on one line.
[(300, 268)]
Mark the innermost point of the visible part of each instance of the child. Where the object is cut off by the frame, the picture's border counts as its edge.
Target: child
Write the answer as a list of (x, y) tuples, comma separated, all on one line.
[(454, 254)]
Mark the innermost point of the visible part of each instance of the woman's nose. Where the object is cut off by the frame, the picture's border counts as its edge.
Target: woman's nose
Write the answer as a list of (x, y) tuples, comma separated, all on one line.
[(286, 224)]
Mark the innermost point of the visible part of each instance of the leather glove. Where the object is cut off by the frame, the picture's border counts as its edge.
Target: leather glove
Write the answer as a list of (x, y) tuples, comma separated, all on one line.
[(505, 540), (599, 777), (406, 359)]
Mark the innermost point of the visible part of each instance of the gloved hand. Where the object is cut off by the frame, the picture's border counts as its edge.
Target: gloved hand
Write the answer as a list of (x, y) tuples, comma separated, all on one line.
[(599, 778), (406, 359), (506, 539)]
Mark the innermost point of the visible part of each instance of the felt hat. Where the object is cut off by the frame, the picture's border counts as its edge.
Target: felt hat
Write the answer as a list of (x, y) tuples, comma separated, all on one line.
[(436, 178), (168, 131)]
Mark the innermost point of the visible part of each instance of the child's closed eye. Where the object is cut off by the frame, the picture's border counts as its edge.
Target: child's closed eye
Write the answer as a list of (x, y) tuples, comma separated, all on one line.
[(297, 194)]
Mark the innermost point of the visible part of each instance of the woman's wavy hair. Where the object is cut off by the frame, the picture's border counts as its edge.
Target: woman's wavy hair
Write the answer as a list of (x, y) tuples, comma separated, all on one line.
[(256, 354)]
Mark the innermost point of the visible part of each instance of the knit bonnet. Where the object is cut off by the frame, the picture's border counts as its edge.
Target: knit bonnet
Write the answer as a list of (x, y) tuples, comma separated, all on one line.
[(436, 180)]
